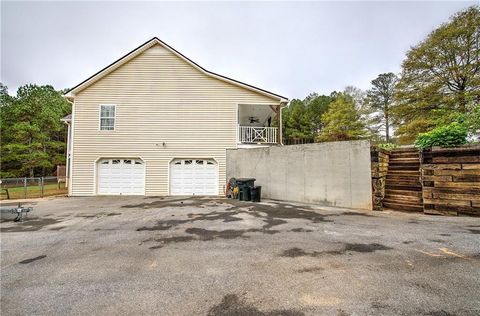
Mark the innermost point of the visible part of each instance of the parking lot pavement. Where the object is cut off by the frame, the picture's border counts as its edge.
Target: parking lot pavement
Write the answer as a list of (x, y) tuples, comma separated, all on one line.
[(212, 256)]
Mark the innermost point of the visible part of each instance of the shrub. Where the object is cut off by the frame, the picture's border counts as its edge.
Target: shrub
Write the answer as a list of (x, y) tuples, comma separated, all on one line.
[(387, 146), (451, 135)]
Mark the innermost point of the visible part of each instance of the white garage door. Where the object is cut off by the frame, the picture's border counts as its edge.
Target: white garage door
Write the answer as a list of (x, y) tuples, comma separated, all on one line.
[(121, 176), (193, 177)]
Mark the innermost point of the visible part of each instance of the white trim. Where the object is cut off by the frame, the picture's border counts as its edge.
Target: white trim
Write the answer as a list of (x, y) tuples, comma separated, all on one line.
[(70, 173), (150, 44), (212, 158), (100, 118), (68, 154)]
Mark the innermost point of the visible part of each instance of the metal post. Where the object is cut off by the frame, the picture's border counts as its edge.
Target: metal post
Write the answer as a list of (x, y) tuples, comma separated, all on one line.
[(25, 187), (41, 187)]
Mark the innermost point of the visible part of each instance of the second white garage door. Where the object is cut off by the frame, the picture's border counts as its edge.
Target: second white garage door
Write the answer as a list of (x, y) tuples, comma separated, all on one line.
[(193, 177)]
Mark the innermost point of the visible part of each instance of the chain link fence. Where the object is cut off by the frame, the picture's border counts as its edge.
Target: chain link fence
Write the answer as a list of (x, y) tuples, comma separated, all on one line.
[(26, 188)]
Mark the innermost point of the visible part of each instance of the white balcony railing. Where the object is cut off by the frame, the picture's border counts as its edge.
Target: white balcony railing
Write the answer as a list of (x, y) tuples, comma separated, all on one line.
[(257, 135)]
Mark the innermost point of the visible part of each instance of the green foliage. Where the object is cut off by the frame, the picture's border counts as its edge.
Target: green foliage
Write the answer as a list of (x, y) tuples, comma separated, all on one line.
[(342, 121), (440, 77), (303, 119), (295, 120), (451, 135), (387, 146), (33, 137), (472, 122), (379, 101)]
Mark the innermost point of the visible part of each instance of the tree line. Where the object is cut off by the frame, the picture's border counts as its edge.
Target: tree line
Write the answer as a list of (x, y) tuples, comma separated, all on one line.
[(438, 88), (33, 139), (435, 97)]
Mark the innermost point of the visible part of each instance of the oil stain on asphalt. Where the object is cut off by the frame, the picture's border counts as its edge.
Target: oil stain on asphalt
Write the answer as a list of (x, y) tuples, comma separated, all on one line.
[(271, 216), (26, 261), (348, 247), (29, 225), (232, 305)]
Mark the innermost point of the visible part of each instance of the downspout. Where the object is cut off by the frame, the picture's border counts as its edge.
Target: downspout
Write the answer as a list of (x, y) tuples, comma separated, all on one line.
[(280, 121), (69, 156)]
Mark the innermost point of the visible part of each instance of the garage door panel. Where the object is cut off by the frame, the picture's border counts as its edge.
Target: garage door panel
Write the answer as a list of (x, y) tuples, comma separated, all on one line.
[(193, 177), (121, 177)]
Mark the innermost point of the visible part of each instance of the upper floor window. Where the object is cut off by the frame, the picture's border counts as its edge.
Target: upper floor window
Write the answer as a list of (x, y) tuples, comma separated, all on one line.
[(107, 117)]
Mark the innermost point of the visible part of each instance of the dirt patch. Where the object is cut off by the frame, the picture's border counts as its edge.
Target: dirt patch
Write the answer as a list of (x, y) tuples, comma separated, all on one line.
[(26, 261), (363, 248), (474, 231), (29, 225), (232, 305), (406, 242), (445, 235)]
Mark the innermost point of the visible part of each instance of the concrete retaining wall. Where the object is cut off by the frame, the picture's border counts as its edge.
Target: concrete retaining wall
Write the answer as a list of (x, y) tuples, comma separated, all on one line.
[(335, 173)]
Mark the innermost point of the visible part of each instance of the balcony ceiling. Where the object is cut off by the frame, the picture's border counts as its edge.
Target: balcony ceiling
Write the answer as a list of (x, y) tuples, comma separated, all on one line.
[(262, 112)]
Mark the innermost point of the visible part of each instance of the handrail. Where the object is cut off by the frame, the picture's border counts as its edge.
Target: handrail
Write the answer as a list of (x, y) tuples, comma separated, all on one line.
[(257, 135)]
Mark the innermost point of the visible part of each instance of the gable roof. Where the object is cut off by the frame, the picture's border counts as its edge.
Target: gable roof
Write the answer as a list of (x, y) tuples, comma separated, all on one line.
[(137, 51)]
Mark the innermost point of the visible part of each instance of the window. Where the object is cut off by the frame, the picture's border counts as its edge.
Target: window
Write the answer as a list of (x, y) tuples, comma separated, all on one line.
[(127, 162), (107, 117), (115, 161)]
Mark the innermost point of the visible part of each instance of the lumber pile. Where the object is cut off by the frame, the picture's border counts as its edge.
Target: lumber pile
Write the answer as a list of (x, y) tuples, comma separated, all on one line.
[(451, 181), (379, 159)]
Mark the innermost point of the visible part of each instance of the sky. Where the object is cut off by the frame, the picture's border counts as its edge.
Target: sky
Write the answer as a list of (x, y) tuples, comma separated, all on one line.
[(289, 48)]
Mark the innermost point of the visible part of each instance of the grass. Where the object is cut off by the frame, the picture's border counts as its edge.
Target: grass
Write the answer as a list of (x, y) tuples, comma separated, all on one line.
[(34, 191)]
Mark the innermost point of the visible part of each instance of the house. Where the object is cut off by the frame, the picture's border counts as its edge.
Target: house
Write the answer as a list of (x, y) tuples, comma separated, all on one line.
[(156, 123)]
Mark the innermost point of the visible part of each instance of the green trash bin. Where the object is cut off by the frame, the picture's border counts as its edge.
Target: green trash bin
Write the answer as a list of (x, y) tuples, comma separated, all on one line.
[(256, 193), (245, 194), (244, 185)]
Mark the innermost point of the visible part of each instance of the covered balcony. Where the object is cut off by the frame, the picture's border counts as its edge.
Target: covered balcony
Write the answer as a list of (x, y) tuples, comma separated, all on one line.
[(258, 124)]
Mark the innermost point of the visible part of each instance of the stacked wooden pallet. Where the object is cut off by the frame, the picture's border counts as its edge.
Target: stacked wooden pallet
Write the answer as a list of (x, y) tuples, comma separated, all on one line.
[(403, 189), (451, 181)]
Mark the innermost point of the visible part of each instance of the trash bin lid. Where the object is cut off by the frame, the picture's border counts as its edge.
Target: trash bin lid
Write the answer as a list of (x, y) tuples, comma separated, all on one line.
[(245, 179)]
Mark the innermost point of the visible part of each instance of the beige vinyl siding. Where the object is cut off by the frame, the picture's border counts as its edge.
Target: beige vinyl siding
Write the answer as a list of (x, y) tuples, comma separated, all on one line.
[(159, 98)]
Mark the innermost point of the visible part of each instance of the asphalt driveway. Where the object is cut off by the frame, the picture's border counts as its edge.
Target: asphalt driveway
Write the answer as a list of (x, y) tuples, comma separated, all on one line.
[(204, 256)]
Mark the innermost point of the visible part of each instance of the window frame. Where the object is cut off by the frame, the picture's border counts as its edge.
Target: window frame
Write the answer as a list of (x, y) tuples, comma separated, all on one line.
[(100, 118)]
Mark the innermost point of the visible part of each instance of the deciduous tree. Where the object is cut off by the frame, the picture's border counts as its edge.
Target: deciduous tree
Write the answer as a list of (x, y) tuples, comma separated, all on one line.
[(379, 100), (342, 121), (440, 76)]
